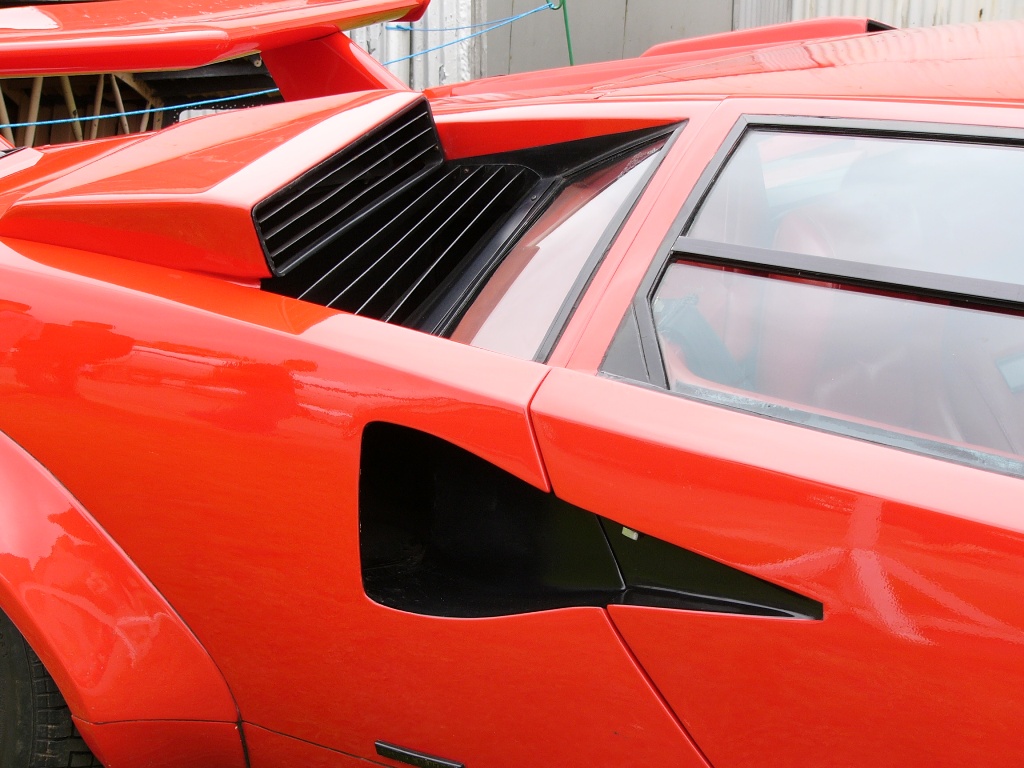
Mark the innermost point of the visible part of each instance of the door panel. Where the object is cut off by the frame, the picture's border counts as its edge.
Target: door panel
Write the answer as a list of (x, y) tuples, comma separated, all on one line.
[(215, 432), (917, 562)]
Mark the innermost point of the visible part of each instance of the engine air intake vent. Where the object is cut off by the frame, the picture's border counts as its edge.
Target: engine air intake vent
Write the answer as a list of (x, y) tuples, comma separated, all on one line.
[(394, 257), (313, 211)]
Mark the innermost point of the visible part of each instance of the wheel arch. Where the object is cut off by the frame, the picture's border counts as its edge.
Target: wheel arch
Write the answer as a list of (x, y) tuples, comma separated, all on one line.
[(116, 649)]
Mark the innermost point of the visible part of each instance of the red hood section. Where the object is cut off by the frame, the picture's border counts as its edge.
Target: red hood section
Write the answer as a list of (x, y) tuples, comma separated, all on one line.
[(183, 197)]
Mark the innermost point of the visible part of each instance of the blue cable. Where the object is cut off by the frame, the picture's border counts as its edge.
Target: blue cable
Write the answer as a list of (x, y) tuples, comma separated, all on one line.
[(494, 25), (490, 26), (90, 118)]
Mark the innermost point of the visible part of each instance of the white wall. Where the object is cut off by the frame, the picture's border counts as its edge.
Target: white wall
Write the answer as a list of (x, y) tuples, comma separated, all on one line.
[(896, 13), (450, 64), (613, 29)]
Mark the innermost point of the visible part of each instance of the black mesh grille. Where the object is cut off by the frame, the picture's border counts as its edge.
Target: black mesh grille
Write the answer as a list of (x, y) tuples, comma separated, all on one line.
[(392, 259), (317, 208)]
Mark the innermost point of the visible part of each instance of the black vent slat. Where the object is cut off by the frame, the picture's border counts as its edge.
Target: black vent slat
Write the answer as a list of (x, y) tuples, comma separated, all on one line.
[(390, 263), (328, 226), (396, 220), (439, 234), (323, 172), (380, 227), (425, 239), (317, 208), (302, 207), (470, 214), (429, 277)]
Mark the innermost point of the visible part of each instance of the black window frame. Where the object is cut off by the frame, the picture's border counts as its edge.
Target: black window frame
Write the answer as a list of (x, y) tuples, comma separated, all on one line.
[(646, 366)]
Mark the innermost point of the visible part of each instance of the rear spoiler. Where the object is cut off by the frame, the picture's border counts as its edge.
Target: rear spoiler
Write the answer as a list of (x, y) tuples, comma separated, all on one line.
[(775, 34), (140, 35)]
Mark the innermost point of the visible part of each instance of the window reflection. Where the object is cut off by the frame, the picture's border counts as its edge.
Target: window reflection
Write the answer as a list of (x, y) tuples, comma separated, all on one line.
[(926, 369), (521, 300), (939, 206)]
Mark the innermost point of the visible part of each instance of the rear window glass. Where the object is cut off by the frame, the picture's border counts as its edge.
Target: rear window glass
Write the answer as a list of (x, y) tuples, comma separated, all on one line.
[(941, 206), (521, 301)]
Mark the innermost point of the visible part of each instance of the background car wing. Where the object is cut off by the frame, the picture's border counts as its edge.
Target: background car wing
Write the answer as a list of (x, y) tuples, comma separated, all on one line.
[(124, 35)]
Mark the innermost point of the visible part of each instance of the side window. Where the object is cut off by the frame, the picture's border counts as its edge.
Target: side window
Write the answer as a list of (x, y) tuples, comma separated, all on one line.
[(863, 284), (517, 308)]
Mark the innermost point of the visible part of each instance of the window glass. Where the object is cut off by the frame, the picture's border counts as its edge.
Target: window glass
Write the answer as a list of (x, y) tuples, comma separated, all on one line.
[(938, 206), (944, 379), (518, 305)]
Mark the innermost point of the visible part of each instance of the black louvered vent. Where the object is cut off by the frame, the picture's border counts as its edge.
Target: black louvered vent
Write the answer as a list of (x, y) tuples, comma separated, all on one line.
[(392, 259), (315, 210)]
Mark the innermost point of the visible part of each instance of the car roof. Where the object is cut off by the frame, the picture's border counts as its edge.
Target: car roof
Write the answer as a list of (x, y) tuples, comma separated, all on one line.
[(981, 63)]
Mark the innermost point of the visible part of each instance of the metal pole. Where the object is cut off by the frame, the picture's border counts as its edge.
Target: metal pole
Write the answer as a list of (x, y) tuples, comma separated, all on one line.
[(6, 118), (33, 112), (69, 100), (568, 35), (97, 107), (120, 104)]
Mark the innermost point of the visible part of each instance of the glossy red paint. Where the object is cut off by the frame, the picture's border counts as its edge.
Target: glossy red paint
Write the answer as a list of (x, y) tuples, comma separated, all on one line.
[(269, 750), (115, 647), (214, 433), (975, 62), (486, 129), (210, 172), (917, 578), (764, 37), (341, 67), (210, 420), (165, 744), (31, 167), (124, 35)]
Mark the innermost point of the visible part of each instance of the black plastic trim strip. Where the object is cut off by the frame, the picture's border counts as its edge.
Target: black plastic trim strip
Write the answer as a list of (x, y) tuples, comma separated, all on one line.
[(966, 290), (877, 26), (409, 757)]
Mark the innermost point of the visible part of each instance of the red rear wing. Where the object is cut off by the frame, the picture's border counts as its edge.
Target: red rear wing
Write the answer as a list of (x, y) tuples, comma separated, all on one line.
[(133, 36)]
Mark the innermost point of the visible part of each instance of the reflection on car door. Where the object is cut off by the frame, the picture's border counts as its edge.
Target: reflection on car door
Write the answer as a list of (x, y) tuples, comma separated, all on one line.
[(220, 439), (916, 562)]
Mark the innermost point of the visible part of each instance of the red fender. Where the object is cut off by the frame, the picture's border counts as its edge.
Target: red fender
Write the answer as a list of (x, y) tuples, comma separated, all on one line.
[(116, 649)]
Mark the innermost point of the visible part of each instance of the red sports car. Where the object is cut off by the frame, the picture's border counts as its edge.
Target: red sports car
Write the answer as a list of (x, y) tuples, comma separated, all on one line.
[(665, 412)]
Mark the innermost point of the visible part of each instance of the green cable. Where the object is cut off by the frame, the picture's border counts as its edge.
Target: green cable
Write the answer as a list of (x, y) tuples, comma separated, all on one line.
[(563, 5)]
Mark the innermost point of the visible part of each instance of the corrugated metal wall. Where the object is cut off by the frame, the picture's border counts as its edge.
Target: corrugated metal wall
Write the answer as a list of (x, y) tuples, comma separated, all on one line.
[(897, 13), (613, 29), (601, 30), (444, 21), (760, 13)]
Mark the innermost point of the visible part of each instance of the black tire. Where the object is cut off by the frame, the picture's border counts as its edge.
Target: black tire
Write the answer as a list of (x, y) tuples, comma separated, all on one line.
[(36, 730)]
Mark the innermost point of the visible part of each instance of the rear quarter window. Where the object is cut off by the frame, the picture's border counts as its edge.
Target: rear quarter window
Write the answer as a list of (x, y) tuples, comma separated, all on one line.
[(864, 284)]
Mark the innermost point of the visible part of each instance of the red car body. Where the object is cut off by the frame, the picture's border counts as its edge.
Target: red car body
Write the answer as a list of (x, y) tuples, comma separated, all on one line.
[(180, 453)]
